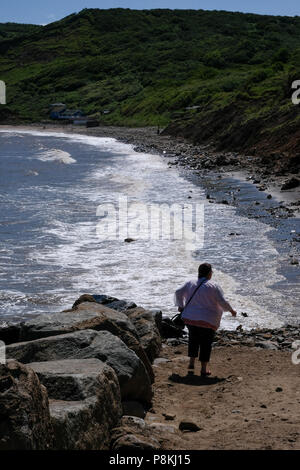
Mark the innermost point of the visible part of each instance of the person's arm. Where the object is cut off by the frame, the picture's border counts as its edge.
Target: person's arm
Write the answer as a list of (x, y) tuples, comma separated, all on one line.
[(179, 298), (223, 302)]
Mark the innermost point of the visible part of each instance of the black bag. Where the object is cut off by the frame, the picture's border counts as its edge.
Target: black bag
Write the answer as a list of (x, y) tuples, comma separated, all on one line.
[(177, 319)]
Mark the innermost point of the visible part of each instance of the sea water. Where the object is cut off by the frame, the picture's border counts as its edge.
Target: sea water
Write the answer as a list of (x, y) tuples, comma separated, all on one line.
[(51, 185)]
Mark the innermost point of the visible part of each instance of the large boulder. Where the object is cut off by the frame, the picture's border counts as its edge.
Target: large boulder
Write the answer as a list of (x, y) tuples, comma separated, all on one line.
[(24, 410), (146, 322), (111, 302), (133, 377), (145, 325), (10, 333), (78, 379), (76, 426), (87, 315), (85, 401), (290, 184)]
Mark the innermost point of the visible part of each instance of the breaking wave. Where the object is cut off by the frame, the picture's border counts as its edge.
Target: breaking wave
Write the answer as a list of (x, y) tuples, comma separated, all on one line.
[(56, 155)]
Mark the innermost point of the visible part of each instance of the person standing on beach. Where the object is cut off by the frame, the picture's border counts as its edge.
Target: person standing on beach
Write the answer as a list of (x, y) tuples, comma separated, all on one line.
[(202, 303)]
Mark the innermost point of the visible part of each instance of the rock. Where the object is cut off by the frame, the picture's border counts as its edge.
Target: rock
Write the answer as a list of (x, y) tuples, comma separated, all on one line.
[(133, 377), (24, 410), (87, 402), (84, 298), (279, 389), (87, 315), (290, 184), (10, 333), (188, 426), (77, 379), (146, 322), (267, 335), (138, 424), (269, 196), (133, 433), (161, 360), (162, 428), (111, 302), (266, 345), (75, 425), (133, 408), (130, 441), (173, 342), (244, 314), (169, 417)]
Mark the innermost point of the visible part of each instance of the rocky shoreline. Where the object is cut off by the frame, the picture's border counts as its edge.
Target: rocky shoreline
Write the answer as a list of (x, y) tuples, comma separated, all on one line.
[(202, 159), (83, 378), (70, 376)]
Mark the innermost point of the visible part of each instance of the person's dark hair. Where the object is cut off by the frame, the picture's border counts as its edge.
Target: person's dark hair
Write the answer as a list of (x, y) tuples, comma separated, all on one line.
[(204, 270)]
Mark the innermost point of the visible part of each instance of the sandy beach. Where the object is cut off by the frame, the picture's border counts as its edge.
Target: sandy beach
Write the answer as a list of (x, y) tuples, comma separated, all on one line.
[(251, 401)]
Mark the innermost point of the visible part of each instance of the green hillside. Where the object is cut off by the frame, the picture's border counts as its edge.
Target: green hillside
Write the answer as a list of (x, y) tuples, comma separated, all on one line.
[(13, 30), (146, 67)]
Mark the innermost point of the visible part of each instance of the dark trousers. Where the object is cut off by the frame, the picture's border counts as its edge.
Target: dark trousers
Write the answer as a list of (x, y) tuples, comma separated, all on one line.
[(200, 338)]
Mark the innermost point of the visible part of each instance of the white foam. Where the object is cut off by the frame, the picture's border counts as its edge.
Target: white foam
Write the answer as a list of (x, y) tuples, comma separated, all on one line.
[(106, 143), (56, 155), (148, 272)]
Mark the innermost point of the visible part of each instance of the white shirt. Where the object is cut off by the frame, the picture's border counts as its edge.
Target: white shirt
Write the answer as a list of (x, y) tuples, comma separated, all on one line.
[(207, 305)]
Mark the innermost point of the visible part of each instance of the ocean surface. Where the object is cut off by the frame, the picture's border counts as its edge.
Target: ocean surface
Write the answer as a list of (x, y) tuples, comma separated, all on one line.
[(57, 192)]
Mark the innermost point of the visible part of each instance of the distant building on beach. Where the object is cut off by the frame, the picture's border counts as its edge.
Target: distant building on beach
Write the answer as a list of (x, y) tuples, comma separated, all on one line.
[(59, 111)]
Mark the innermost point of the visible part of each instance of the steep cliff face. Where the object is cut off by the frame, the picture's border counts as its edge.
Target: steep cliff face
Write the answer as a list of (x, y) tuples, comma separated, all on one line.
[(274, 138)]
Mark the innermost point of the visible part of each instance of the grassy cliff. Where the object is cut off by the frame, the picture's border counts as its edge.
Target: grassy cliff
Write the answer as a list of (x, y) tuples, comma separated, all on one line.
[(146, 67)]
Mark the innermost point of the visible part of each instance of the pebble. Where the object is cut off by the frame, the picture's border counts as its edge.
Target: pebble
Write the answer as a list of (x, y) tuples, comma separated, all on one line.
[(188, 426), (160, 360), (281, 338), (169, 417), (163, 427)]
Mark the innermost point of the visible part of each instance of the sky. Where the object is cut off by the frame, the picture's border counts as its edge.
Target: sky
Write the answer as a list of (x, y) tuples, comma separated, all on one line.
[(47, 11)]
